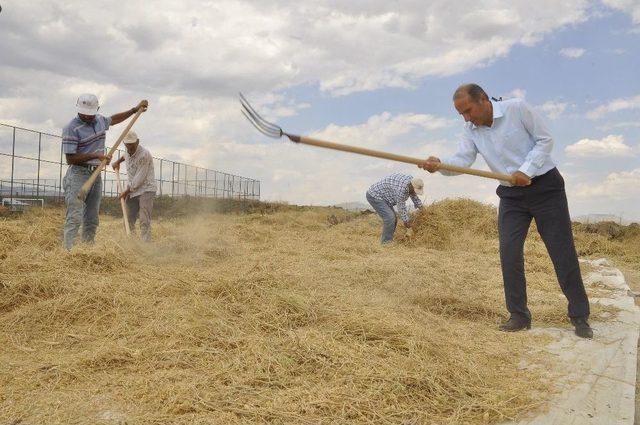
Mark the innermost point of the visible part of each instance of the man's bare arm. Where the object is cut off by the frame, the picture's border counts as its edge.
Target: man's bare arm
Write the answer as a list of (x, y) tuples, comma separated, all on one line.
[(81, 158), (121, 116)]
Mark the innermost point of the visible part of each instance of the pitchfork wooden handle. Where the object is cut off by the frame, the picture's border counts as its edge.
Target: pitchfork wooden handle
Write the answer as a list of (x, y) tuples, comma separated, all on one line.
[(400, 158)]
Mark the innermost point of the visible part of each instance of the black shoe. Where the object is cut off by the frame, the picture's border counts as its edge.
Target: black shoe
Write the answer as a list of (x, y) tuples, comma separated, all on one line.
[(583, 330), (515, 324)]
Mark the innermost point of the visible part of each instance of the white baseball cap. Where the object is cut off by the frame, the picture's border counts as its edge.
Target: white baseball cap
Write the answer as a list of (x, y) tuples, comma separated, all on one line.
[(418, 186), (87, 104), (130, 138)]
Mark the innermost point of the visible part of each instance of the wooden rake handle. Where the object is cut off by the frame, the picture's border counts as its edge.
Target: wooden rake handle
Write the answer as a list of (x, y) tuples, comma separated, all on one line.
[(123, 204), (394, 157), (86, 187)]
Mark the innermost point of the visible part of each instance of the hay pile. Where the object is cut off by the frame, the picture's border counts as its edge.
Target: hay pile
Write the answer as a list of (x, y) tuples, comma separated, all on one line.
[(281, 318), (610, 240), (444, 224)]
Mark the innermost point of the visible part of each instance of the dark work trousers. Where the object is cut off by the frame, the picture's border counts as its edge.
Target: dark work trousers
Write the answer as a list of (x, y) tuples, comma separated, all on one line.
[(545, 201)]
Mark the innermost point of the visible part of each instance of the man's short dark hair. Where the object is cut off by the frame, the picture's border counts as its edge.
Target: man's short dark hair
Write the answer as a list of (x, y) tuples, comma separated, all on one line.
[(474, 91)]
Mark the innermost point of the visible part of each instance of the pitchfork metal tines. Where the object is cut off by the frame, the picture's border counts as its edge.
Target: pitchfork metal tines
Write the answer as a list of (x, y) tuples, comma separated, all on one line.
[(263, 126)]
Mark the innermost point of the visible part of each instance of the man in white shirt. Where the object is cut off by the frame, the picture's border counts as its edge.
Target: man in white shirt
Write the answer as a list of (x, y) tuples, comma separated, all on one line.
[(514, 140), (141, 187)]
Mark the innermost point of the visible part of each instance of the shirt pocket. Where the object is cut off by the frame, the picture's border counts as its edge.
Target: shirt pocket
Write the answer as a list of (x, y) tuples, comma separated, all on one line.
[(516, 141)]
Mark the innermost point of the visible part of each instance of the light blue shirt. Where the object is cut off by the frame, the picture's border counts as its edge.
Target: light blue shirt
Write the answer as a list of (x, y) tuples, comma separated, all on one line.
[(81, 137), (518, 140)]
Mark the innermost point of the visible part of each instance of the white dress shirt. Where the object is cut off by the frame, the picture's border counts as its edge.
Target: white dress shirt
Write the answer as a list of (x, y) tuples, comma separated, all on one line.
[(518, 140)]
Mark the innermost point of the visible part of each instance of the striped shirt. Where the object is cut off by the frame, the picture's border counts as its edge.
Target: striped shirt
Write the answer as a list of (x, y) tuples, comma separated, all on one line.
[(81, 137), (394, 190)]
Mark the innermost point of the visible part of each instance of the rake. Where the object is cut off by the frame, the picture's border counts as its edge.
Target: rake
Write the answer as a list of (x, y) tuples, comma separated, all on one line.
[(272, 130)]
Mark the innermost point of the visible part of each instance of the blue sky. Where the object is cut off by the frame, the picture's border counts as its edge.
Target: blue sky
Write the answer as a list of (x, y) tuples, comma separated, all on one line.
[(367, 73)]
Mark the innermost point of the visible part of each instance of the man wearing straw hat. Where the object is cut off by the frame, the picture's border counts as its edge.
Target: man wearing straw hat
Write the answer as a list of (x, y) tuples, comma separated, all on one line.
[(514, 140), (394, 190), (83, 143), (141, 187)]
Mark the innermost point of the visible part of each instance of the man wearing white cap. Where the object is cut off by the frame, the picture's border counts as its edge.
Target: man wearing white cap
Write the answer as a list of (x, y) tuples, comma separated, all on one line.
[(394, 190), (141, 187), (83, 142)]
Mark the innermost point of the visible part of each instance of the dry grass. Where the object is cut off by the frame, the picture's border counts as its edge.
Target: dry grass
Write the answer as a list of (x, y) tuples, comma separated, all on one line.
[(290, 317)]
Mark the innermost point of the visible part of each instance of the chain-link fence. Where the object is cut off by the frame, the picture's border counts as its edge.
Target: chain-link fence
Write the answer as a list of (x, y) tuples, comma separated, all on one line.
[(32, 167)]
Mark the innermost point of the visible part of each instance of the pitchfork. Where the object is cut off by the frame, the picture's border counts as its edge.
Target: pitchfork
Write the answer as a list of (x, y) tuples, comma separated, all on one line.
[(272, 130)]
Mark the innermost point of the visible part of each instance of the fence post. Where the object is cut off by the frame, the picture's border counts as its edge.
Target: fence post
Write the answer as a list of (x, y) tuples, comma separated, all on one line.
[(60, 177), (178, 178), (195, 189), (206, 182), (173, 179), (13, 158), (39, 153), (161, 177)]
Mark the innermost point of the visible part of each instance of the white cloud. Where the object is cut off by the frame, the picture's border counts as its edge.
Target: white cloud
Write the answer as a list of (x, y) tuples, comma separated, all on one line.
[(615, 105), (381, 130), (616, 186), (616, 125), (553, 109), (572, 52), (220, 46), (632, 7), (610, 146), (516, 93)]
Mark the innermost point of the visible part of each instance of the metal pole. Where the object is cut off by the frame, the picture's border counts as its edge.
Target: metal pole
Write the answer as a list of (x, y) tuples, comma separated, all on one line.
[(186, 176), (206, 181), (13, 158), (178, 178), (39, 154), (160, 176), (233, 185), (173, 172), (60, 178)]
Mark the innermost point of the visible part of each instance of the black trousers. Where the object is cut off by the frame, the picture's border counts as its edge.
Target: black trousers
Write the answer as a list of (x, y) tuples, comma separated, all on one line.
[(545, 201)]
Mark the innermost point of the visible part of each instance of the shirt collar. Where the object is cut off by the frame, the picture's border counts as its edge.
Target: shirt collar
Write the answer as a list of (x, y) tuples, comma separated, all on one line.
[(497, 110), (497, 113)]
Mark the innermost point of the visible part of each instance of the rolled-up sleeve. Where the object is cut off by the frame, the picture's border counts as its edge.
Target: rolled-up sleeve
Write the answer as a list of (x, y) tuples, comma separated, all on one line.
[(402, 210), (416, 201), (543, 142), (70, 140), (464, 157)]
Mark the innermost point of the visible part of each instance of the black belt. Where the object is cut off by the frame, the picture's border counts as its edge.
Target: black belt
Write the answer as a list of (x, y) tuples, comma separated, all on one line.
[(87, 166), (536, 178)]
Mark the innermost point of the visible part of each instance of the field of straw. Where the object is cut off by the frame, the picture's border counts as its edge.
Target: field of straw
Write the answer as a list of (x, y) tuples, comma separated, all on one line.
[(273, 315)]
